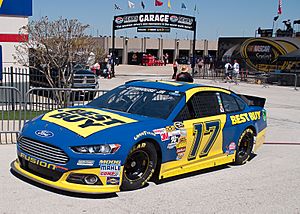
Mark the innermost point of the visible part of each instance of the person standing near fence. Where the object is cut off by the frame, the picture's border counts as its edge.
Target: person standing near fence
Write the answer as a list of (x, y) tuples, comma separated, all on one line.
[(184, 75), (228, 71), (236, 71), (175, 69)]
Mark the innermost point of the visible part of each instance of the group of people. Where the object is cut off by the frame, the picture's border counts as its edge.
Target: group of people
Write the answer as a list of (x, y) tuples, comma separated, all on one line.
[(232, 71)]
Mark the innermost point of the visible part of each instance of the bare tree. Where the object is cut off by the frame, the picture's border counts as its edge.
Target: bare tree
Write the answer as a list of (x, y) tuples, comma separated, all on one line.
[(54, 47)]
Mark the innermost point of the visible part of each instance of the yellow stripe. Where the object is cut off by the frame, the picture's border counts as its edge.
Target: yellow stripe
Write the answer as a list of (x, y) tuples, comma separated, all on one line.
[(1, 1), (192, 91), (198, 165)]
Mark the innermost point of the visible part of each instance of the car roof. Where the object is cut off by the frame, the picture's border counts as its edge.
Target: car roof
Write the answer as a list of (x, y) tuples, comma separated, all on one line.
[(168, 85)]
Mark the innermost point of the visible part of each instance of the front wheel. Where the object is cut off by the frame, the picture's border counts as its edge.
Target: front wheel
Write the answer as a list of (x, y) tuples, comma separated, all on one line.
[(139, 166), (244, 147)]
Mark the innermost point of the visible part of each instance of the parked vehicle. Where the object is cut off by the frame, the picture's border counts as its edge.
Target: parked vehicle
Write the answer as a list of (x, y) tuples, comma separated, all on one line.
[(138, 131)]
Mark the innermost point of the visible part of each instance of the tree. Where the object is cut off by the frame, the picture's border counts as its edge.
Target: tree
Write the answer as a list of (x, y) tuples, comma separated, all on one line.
[(54, 47)]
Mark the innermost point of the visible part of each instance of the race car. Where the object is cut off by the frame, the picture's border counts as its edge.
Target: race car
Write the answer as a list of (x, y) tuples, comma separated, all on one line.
[(138, 131)]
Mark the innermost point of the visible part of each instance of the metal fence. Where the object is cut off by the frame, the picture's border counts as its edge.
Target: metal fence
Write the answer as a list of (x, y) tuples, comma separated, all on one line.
[(17, 108), (264, 78), (17, 77), (11, 114)]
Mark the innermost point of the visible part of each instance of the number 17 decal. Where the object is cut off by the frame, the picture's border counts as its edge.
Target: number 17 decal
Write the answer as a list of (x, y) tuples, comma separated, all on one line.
[(211, 128)]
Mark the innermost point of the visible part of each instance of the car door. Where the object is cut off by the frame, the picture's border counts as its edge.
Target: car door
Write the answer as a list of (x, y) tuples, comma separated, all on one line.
[(201, 122), (203, 118)]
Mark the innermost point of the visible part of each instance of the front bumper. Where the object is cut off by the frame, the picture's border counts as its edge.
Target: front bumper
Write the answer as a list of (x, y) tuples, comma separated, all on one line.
[(63, 184)]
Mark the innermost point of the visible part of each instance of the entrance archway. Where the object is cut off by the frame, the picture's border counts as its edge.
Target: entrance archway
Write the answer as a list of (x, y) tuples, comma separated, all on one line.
[(153, 22)]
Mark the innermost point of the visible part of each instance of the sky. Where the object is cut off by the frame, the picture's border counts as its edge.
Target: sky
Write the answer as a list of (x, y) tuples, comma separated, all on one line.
[(215, 18)]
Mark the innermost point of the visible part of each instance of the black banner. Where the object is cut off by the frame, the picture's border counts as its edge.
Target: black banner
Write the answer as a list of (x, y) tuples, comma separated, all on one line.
[(166, 20)]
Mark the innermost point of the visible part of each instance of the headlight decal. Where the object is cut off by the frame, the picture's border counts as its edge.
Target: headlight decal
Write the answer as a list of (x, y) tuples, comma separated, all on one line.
[(97, 149)]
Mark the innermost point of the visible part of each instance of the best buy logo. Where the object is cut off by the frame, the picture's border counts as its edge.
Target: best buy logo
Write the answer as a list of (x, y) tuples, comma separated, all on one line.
[(1, 1)]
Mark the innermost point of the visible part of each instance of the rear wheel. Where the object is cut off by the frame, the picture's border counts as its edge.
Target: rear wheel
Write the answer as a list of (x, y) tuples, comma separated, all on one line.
[(244, 147), (139, 166)]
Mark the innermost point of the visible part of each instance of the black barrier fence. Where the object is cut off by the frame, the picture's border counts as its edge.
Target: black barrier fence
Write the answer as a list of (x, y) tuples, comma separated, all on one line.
[(17, 108), (17, 77), (265, 78)]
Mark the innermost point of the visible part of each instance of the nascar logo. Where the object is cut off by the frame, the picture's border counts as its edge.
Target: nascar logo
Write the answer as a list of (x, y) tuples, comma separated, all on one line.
[(119, 20), (174, 19)]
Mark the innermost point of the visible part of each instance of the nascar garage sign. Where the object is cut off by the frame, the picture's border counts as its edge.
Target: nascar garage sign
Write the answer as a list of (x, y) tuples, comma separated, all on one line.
[(165, 20)]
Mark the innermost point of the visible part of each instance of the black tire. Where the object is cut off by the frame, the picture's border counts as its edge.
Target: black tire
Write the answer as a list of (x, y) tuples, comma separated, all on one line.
[(244, 147), (139, 166)]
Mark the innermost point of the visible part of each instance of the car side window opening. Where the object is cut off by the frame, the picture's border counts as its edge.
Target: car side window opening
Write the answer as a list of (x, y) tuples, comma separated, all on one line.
[(241, 103), (229, 102), (202, 104)]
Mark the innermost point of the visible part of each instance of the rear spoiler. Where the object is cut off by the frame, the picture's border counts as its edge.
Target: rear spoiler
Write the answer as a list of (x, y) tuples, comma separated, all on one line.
[(253, 101)]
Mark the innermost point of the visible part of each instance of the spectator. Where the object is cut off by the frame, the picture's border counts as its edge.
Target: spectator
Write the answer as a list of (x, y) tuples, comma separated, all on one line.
[(228, 71), (175, 69), (236, 71), (166, 59), (184, 75)]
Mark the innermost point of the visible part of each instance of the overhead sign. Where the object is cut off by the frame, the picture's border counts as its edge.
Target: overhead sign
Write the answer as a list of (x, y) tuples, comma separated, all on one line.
[(16, 7), (154, 29), (167, 20)]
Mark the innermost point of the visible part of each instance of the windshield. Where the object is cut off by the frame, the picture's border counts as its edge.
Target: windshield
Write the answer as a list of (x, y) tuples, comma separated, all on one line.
[(138, 100)]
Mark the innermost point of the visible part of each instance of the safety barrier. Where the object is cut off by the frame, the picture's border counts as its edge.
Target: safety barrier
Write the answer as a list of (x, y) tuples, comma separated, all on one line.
[(16, 108), (11, 114)]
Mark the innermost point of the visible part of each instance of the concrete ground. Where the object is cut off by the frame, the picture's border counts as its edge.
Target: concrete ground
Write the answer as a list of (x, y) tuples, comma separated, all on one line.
[(269, 183)]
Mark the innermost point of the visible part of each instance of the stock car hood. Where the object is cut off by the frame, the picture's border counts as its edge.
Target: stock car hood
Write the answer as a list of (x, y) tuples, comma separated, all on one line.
[(87, 126)]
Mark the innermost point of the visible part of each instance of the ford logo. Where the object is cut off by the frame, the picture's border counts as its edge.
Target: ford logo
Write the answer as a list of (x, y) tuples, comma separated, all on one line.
[(44, 133)]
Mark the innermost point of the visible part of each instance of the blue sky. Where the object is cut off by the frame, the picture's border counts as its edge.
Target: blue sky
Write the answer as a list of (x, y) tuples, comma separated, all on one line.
[(215, 18)]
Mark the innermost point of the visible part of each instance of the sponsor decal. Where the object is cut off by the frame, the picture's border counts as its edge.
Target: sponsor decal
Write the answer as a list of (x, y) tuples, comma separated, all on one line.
[(174, 19), (85, 121), (264, 113), (119, 20), (245, 117), (143, 134), (220, 103), (180, 153), (42, 163), (231, 148), (178, 125), (112, 181), (110, 168), (164, 135), (44, 133), (174, 141), (85, 162)]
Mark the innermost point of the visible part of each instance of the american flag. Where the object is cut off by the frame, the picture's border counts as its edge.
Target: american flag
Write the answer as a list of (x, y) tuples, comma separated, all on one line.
[(279, 7)]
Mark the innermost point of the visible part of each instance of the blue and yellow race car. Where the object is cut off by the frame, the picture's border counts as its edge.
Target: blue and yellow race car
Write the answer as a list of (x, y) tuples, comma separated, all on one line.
[(138, 131)]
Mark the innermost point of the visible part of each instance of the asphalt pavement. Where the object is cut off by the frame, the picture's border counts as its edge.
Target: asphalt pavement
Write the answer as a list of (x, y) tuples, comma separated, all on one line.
[(269, 183)]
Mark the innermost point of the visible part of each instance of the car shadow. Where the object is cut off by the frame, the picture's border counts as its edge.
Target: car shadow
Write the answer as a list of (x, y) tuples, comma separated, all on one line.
[(62, 192)]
